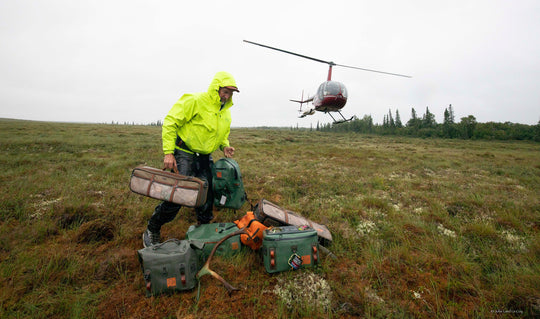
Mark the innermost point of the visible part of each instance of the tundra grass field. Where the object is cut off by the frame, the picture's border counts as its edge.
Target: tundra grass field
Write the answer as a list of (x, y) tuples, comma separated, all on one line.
[(423, 228)]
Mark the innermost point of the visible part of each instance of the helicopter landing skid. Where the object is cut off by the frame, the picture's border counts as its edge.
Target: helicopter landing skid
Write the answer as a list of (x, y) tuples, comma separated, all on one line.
[(340, 121)]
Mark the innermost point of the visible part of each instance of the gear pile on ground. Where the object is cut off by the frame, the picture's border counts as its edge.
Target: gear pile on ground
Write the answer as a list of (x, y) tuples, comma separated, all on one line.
[(285, 241)]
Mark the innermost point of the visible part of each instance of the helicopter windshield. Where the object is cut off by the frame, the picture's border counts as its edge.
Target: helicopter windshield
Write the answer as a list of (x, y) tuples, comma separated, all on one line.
[(333, 88)]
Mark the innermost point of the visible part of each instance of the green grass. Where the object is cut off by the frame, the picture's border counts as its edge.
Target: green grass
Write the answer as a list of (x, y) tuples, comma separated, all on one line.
[(422, 227)]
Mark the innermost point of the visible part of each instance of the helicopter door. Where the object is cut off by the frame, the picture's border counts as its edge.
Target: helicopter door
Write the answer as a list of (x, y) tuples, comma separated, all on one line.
[(319, 97)]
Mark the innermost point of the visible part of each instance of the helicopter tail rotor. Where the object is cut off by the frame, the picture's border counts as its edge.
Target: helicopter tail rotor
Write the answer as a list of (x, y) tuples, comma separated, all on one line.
[(302, 101)]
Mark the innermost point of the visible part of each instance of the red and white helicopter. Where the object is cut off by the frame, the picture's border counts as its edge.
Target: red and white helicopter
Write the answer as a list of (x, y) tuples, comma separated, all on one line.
[(331, 95)]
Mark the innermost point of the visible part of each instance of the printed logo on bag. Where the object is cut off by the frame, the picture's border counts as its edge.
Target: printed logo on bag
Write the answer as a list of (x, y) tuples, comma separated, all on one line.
[(219, 175), (171, 282), (306, 260)]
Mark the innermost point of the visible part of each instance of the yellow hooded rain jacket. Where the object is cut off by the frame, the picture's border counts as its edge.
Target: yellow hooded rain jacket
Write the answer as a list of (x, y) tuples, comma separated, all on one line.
[(199, 120)]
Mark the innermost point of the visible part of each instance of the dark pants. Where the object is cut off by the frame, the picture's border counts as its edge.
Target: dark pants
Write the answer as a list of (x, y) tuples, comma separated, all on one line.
[(189, 165)]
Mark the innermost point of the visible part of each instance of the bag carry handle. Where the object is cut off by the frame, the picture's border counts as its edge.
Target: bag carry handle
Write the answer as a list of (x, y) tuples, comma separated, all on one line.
[(175, 169), (157, 246), (195, 244)]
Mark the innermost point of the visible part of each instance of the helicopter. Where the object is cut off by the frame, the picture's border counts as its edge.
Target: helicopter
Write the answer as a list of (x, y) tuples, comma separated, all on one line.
[(331, 95)]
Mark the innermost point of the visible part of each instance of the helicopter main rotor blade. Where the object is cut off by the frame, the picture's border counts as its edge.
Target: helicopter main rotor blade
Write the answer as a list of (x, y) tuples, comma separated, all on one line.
[(289, 52), (369, 70), (327, 62)]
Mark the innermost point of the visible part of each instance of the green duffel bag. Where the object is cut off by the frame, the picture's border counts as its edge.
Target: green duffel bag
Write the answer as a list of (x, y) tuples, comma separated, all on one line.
[(289, 248), (227, 184), (211, 234), (170, 266)]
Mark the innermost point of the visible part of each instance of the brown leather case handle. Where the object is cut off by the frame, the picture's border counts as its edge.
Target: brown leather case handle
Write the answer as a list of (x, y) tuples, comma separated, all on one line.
[(175, 170)]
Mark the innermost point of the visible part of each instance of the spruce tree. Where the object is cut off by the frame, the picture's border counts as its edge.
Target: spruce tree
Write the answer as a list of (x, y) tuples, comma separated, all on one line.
[(398, 120), (429, 119)]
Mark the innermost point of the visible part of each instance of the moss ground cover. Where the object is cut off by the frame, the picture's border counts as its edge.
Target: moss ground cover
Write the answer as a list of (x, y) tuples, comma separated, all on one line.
[(422, 227)]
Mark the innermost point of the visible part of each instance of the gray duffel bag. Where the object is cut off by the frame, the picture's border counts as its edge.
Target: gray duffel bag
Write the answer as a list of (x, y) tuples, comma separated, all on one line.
[(170, 266)]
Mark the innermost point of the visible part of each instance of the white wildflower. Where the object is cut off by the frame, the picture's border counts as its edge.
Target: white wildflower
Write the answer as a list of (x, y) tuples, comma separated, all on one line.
[(305, 289), (42, 206), (516, 241), (365, 227), (416, 295), (510, 237), (447, 232)]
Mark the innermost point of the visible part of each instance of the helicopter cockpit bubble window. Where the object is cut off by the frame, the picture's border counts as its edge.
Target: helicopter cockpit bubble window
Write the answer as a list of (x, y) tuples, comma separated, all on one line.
[(321, 90), (334, 88), (344, 91)]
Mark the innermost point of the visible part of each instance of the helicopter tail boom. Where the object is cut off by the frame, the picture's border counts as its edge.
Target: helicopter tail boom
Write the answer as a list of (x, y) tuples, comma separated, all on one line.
[(302, 102)]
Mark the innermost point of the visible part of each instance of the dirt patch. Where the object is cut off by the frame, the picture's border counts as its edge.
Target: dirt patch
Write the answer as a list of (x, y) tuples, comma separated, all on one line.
[(75, 215), (95, 231)]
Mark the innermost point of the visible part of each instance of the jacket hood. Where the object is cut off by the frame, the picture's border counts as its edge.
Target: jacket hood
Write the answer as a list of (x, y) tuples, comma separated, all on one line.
[(220, 80)]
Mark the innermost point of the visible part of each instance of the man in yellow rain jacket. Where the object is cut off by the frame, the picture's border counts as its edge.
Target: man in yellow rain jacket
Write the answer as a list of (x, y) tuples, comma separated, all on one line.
[(196, 126)]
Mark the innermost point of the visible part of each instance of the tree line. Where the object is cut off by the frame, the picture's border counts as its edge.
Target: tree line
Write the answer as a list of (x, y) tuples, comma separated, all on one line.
[(427, 126)]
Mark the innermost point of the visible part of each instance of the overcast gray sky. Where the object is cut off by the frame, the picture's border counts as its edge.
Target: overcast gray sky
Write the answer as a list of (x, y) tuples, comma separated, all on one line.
[(129, 61)]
